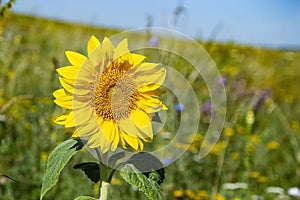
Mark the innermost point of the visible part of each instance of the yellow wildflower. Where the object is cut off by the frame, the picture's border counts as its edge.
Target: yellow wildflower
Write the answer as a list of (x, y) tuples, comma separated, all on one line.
[(235, 155), (262, 179), (228, 132), (190, 194), (218, 197), (254, 174), (273, 145), (178, 193)]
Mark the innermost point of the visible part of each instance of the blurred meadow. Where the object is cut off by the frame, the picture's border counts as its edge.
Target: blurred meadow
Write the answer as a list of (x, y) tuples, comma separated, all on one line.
[(257, 156)]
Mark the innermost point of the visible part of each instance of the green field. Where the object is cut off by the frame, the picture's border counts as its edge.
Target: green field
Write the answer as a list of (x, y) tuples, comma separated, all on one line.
[(259, 145)]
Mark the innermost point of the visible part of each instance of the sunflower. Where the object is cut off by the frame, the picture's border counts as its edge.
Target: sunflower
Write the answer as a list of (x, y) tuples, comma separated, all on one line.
[(110, 96)]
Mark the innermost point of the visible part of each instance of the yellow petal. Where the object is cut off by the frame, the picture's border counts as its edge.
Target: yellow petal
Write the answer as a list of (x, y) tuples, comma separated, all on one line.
[(108, 128), (61, 119), (143, 124), (121, 49), (149, 87), (61, 93), (149, 104), (128, 127), (141, 145), (75, 87), (122, 140), (150, 79), (64, 104), (98, 140), (155, 93), (70, 120), (140, 118), (68, 87), (67, 101), (116, 140), (69, 72), (97, 60), (108, 49), (94, 141), (86, 72), (72, 104), (89, 128), (132, 141), (130, 134), (164, 107), (145, 133), (92, 44), (137, 59), (104, 145), (111, 131), (82, 116), (81, 99), (75, 135), (144, 67), (76, 59)]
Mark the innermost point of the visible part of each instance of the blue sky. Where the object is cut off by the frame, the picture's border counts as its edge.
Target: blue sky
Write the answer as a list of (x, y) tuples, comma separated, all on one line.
[(272, 23)]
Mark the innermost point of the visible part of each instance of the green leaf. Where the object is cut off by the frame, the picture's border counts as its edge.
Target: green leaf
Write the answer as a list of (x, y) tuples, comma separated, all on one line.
[(91, 169), (135, 178), (57, 160), (79, 144), (85, 198), (146, 163), (112, 160)]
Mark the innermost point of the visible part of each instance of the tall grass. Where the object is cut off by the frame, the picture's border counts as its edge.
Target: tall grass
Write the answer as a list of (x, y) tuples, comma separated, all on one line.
[(259, 145)]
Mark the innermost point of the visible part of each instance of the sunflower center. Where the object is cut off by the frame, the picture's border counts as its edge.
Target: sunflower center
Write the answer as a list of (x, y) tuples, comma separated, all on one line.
[(115, 95)]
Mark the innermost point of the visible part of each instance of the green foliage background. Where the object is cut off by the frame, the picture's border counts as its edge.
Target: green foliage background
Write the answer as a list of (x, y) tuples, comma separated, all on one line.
[(263, 153)]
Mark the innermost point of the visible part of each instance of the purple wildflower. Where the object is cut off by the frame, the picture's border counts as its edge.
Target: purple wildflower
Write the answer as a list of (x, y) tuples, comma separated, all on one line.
[(206, 108), (153, 41), (222, 80), (179, 107)]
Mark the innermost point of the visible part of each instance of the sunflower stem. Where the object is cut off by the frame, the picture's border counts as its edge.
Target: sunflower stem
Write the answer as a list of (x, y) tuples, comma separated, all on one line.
[(103, 187), (98, 152), (103, 190)]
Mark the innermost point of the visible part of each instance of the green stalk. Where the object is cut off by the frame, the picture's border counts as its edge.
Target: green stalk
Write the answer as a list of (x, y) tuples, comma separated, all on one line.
[(103, 187), (103, 190)]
